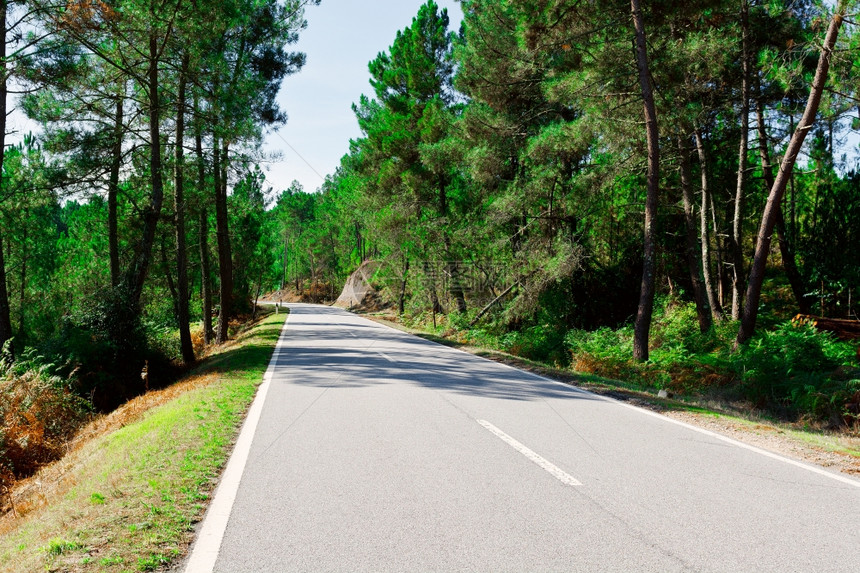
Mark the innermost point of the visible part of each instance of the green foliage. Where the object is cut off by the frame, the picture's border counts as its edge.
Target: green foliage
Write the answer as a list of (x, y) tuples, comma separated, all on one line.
[(677, 337), (253, 247), (163, 340), (608, 352), (544, 342), (792, 369), (831, 262), (103, 347), (604, 344), (59, 546)]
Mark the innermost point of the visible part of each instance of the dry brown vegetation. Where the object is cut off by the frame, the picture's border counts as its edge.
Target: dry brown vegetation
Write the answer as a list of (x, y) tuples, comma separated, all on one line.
[(315, 292), (38, 417)]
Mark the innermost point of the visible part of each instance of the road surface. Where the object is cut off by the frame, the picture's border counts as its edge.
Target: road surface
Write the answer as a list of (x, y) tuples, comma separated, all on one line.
[(369, 449)]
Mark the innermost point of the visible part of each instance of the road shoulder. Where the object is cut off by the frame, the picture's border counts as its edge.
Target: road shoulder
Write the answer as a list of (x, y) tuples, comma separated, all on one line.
[(834, 451)]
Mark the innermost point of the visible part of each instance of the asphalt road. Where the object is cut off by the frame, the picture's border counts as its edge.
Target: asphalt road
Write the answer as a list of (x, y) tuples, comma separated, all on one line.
[(378, 451)]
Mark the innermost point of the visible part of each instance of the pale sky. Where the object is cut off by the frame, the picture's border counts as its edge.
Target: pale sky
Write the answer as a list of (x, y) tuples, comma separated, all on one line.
[(341, 38)]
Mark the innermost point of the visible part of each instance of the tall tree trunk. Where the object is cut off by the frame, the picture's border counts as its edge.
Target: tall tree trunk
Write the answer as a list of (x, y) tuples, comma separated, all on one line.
[(183, 314), (787, 253), (753, 295), (5, 313), (737, 221), (171, 284), (113, 187), (203, 229), (452, 268), (694, 258), (140, 266), (710, 290), (719, 246), (5, 317), (642, 328), (430, 273), (205, 277), (257, 293), (401, 302), (358, 243), (792, 230), (284, 269), (22, 292), (456, 288), (222, 232)]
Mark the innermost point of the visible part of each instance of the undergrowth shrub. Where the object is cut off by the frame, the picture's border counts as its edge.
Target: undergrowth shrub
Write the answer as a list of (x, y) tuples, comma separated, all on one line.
[(603, 344), (609, 353), (461, 320), (794, 370), (682, 359), (163, 339), (791, 371), (39, 414), (690, 361), (103, 347), (488, 335), (543, 342)]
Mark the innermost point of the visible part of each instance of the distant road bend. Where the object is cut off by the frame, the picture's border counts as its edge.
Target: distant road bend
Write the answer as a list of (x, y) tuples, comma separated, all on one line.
[(368, 449)]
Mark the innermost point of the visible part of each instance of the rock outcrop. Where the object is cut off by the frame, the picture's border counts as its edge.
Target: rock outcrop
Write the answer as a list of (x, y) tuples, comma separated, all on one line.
[(358, 290)]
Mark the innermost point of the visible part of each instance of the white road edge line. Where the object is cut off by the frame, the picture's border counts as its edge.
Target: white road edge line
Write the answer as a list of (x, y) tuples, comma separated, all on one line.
[(726, 439), (722, 438), (550, 467), (204, 553)]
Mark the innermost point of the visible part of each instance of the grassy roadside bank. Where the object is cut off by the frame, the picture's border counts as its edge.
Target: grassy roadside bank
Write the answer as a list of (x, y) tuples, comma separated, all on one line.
[(840, 451), (127, 497)]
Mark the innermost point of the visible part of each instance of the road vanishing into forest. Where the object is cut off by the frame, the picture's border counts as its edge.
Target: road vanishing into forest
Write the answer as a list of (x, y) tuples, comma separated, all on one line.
[(368, 449)]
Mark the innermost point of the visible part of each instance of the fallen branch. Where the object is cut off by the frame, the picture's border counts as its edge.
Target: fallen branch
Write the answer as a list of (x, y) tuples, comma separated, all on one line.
[(489, 306), (842, 328)]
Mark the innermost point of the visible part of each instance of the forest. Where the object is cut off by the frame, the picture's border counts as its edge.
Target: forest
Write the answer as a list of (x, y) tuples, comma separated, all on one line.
[(661, 193), (132, 222), (650, 192)]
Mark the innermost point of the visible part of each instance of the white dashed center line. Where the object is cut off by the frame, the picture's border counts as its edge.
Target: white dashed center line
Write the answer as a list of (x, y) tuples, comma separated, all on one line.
[(550, 467), (384, 355)]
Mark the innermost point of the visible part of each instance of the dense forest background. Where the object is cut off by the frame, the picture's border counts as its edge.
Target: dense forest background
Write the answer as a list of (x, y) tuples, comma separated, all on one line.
[(516, 152), (648, 190)]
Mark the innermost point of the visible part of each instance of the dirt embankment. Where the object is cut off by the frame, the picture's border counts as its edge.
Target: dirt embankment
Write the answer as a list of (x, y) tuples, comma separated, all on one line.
[(316, 293)]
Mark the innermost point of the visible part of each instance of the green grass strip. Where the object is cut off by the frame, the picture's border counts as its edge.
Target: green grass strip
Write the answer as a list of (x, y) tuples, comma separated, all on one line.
[(136, 493)]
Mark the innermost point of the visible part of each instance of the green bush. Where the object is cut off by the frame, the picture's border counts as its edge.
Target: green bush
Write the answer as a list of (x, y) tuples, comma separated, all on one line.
[(827, 399), (602, 344), (461, 320), (792, 370), (163, 340), (103, 348), (542, 342), (485, 336), (609, 353)]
